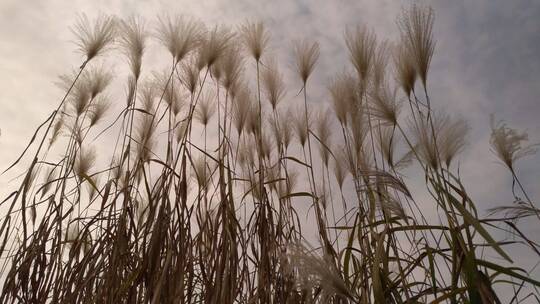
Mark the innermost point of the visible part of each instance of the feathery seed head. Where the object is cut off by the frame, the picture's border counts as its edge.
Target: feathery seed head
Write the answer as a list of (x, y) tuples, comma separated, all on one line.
[(145, 142), (79, 99), (273, 84), (384, 105), (241, 108), (169, 87), (92, 191), (306, 54), (508, 144), (323, 129), (255, 38), (253, 119), (57, 128), (133, 40), (386, 140), (147, 95), (286, 186), (231, 65), (47, 183), (405, 69), (359, 127), (389, 205), (98, 109), (281, 130), (178, 103), (98, 79), (380, 63), (214, 46), (190, 76), (246, 156), (453, 139), (266, 146), (361, 43), (94, 38), (340, 166), (180, 35), (202, 171), (427, 146), (314, 271), (180, 131), (298, 119), (344, 98), (416, 25), (84, 162), (205, 108)]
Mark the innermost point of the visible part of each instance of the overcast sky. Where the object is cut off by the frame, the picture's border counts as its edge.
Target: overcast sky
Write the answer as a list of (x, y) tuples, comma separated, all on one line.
[(487, 61)]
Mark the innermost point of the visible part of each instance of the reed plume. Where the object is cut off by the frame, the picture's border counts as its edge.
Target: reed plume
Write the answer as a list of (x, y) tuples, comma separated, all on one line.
[(384, 105), (405, 69), (453, 139), (323, 130), (344, 98), (232, 67), (416, 25), (214, 46), (133, 39), (85, 162), (306, 54), (135, 232), (255, 38), (508, 144), (241, 109), (273, 84), (205, 108), (180, 35), (98, 109), (361, 43), (299, 123), (94, 38), (340, 166)]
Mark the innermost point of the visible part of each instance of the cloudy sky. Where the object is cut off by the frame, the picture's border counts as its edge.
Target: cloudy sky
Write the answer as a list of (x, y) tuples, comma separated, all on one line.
[(487, 61)]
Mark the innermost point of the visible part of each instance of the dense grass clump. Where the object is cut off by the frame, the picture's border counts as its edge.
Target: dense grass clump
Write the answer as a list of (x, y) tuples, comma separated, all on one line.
[(203, 194)]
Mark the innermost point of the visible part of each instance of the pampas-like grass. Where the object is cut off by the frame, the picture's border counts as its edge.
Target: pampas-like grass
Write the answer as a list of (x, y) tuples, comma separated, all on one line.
[(94, 38), (323, 130), (384, 104), (344, 98), (214, 46), (416, 25), (405, 69), (311, 270), (190, 76), (136, 233), (205, 108), (255, 38), (133, 40), (453, 139), (180, 35), (241, 109), (306, 54), (273, 84), (231, 65), (508, 144), (340, 165), (98, 109), (85, 162), (300, 124), (426, 142), (361, 43)]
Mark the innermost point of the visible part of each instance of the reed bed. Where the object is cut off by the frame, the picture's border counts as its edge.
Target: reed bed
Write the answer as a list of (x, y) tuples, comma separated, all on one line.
[(222, 186)]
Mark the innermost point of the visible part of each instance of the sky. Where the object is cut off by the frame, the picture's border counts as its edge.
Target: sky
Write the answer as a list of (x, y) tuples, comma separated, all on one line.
[(487, 61)]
